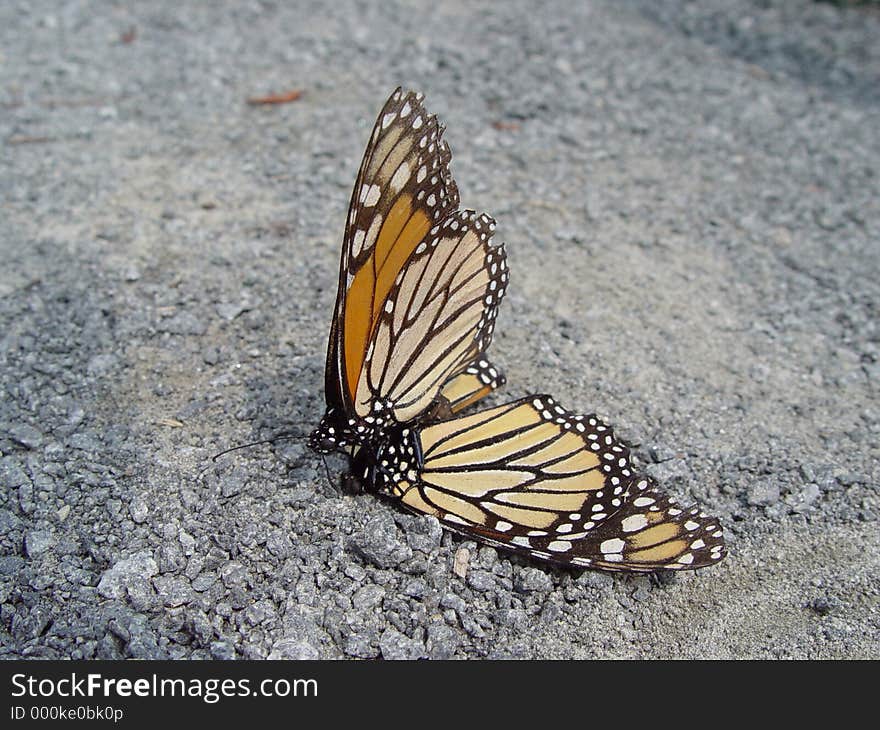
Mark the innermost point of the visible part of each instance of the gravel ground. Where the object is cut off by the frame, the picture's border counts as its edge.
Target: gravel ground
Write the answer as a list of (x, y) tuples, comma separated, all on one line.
[(689, 196)]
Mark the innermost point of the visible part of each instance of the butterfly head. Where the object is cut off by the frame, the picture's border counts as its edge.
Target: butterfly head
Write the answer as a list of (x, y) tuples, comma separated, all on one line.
[(336, 432), (330, 435)]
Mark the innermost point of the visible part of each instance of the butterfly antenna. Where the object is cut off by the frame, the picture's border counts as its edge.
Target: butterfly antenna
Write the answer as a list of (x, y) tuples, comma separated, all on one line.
[(279, 437)]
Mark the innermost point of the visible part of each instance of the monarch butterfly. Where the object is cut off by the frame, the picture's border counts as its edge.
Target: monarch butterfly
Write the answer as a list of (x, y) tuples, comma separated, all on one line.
[(420, 283)]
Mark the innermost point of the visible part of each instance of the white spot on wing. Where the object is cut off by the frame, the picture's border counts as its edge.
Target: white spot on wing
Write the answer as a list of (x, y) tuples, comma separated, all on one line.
[(357, 242), (559, 546), (400, 177), (633, 523), (614, 545), (372, 196)]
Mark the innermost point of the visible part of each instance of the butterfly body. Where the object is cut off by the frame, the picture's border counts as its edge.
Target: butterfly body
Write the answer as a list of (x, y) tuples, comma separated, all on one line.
[(337, 432), (419, 289), (391, 465)]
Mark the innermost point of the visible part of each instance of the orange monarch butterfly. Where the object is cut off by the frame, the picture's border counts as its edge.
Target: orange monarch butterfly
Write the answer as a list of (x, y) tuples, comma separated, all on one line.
[(420, 283)]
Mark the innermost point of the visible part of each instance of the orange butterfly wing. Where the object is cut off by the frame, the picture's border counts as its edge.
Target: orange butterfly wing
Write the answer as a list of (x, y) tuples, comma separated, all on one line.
[(404, 187)]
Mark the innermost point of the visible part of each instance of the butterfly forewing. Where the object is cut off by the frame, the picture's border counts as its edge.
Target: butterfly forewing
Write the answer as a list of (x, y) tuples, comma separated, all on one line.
[(653, 532), (531, 477), (403, 188)]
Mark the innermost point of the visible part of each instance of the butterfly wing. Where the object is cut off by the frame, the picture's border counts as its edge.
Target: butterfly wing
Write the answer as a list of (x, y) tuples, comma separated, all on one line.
[(652, 532), (403, 188), (437, 320), (531, 477), (477, 380)]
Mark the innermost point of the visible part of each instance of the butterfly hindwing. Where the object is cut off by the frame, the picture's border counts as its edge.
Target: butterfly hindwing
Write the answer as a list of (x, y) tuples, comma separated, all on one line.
[(474, 383), (439, 316)]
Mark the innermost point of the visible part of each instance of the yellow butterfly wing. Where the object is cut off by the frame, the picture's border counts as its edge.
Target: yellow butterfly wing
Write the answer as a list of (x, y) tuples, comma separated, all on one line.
[(474, 383), (531, 477)]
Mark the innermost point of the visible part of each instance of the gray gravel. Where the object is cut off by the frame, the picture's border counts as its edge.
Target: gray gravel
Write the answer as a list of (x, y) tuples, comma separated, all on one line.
[(689, 195)]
